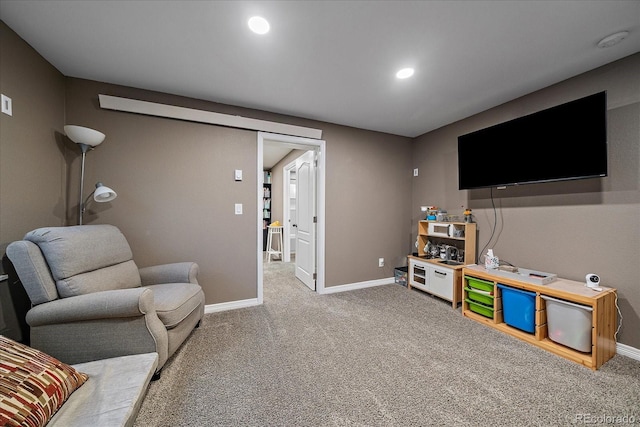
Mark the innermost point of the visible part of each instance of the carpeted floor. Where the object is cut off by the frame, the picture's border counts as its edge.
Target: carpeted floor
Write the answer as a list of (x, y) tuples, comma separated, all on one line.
[(382, 356)]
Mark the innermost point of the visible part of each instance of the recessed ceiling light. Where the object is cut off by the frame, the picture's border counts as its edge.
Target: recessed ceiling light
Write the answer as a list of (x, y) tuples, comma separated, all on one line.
[(259, 25), (405, 73), (613, 39)]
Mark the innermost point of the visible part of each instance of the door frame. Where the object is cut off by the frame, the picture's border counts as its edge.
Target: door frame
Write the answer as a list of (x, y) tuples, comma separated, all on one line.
[(304, 143)]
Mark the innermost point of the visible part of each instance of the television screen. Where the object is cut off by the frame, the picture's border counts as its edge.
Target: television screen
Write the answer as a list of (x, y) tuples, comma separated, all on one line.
[(565, 142)]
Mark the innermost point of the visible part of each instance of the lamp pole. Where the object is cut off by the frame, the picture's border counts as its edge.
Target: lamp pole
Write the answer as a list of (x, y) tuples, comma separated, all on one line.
[(84, 148)]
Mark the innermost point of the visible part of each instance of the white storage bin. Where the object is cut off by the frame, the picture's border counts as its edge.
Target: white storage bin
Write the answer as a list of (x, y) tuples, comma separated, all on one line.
[(569, 324)]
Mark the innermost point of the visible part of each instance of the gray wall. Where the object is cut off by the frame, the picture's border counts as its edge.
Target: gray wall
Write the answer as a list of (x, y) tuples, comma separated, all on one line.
[(176, 190), (32, 156), (570, 228)]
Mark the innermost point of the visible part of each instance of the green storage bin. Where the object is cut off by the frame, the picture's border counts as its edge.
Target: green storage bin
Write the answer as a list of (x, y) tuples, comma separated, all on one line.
[(480, 308), (483, 285), (482, 297)]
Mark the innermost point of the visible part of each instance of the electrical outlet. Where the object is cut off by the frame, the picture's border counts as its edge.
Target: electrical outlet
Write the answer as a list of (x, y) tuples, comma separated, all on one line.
[(380, 262)]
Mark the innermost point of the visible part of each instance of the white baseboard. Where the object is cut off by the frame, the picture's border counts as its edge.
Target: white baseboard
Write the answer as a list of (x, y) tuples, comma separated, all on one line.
[(231, 305), (358, 285), (252, 302), (627, 350)]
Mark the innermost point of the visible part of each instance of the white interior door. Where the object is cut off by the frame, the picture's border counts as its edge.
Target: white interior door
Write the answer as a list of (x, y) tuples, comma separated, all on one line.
[(306, 226)]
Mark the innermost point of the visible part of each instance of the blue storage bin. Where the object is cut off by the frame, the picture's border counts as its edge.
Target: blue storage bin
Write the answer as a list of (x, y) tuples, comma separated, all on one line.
[(519, 308)]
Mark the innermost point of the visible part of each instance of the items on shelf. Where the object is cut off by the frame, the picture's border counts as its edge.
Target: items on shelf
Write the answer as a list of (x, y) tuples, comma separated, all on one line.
[(432, 235), (468, 216), (429, 212), (491, 261), (266, 206)]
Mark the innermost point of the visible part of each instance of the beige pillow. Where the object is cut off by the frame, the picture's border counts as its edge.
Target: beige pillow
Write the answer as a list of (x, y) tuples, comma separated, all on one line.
[(33, 385)]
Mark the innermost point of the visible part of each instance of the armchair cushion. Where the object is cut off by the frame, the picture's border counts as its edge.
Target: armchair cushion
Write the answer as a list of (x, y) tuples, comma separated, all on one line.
[(33, 385), (83, 262), (120, 276), (175, 301)]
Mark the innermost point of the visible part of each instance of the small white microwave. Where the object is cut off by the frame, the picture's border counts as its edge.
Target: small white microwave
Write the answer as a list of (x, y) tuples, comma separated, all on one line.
[(440, 229)]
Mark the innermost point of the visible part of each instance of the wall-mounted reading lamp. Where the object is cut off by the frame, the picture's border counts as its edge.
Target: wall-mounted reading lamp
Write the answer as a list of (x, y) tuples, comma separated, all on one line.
[(87, 139)]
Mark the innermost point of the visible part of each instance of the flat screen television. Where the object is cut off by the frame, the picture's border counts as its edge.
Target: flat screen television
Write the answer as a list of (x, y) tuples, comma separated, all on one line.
[(565, 142)]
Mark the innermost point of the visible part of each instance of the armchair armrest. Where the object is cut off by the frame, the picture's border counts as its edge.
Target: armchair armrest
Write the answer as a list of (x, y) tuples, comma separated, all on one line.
[(99, 325), (179, 272), (112, 304)]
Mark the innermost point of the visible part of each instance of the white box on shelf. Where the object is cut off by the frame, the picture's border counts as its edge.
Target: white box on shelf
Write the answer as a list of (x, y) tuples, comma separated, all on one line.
[(440, 229), (526, 275)]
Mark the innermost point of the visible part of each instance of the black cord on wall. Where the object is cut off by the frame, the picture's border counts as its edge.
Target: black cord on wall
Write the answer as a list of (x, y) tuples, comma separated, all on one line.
[(495, 224)]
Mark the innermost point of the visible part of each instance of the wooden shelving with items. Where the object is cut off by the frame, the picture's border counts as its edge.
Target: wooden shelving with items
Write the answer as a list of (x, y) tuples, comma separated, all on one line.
[(266, 207), (437, 276), (601, 328), (459, 234)]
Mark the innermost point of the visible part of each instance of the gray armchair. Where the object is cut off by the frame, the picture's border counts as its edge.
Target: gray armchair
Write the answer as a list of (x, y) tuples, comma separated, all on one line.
[(90, 301)]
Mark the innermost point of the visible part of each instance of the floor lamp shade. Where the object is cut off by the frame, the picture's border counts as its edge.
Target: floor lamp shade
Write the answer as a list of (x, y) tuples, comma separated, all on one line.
[(83, 135)]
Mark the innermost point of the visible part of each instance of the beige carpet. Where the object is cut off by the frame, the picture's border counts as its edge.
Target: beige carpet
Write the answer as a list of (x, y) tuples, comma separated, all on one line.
[(383, 356)]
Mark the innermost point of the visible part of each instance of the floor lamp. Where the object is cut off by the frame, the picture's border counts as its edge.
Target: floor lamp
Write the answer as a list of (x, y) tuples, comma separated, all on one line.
[(87, 139)]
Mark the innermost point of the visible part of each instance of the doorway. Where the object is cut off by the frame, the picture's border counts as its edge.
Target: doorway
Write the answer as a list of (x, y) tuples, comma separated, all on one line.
[(308, 144)]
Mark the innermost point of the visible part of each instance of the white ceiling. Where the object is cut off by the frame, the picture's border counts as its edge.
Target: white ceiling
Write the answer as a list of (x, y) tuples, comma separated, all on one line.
[(272, 153), (332, 61)]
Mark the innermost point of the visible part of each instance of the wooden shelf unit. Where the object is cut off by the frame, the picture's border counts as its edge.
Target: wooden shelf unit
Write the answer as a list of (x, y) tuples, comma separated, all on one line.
[(266, 208), (434, 277), (467, 242), (604, 315)]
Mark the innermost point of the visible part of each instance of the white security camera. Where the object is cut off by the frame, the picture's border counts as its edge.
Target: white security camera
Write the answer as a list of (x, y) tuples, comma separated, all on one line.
[(592, 280)]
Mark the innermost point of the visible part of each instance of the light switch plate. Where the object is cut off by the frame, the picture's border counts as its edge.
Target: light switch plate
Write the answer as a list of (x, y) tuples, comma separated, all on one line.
[(6, 105), (238, 175), (415, 172), (238, 208)]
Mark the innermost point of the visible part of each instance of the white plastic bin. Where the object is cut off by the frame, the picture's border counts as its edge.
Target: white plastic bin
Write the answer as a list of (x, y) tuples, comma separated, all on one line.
[(569, 323)]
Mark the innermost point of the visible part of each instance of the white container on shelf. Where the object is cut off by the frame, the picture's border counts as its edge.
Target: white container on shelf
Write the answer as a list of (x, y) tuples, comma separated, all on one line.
[(439, 229), (569, 323)]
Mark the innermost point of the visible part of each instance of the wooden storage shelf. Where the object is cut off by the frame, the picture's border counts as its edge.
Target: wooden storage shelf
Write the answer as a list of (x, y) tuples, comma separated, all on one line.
[(604, 315), (466, 242), (266, 208), (430, 274)]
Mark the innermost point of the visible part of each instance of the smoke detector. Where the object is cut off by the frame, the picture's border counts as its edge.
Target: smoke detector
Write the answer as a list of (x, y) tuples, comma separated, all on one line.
[(613, 39)]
